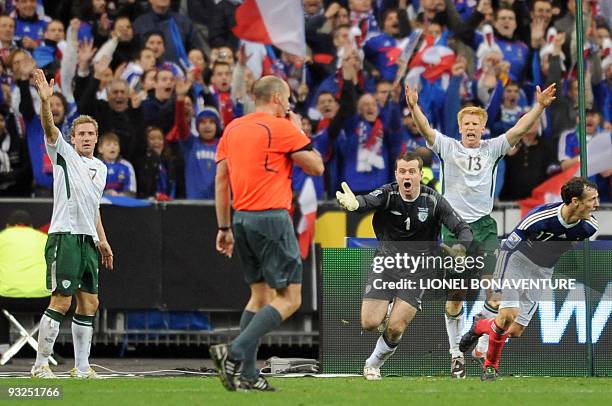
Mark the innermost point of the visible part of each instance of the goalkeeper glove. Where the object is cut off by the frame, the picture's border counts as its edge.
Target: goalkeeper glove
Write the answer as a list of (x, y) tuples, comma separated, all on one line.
[(456, 251), (347, 199)]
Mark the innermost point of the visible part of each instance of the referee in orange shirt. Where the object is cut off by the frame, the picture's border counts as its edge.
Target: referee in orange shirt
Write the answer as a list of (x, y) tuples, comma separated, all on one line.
[(255, 157)]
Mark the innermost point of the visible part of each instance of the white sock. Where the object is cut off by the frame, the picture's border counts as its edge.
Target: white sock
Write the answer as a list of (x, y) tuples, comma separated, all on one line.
[(483, 342), (47, 333), (81, 341), (380, 354), (454, 330)]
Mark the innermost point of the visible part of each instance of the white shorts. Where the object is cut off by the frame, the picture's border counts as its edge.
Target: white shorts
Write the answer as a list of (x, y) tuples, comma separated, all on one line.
[(516, 266)]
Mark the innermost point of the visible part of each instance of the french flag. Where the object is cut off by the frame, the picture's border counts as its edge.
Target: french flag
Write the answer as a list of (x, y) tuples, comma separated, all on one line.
[(279, 23), (548, 191), (307, 206)]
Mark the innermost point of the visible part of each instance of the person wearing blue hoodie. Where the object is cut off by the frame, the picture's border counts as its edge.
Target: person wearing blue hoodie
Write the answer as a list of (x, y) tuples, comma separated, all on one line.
[(199, 154)]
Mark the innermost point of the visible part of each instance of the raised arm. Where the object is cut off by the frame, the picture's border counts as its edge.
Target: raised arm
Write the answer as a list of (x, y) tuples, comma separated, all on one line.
[(544, 99), (421, 122), (45, 91)]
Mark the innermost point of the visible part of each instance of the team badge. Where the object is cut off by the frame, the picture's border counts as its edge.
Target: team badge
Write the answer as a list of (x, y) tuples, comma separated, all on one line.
[(423, 213)]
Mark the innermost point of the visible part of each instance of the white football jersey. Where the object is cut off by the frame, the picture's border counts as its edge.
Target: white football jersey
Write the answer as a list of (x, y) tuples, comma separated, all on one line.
[(468, 174), (78, 184)]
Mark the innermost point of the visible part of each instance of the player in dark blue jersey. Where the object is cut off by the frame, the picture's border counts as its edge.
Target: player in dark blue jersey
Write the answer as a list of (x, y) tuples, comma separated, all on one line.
[(530, 253)]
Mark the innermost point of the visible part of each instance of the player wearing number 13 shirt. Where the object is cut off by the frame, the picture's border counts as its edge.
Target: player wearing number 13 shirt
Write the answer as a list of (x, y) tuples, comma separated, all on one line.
[(468, 169)]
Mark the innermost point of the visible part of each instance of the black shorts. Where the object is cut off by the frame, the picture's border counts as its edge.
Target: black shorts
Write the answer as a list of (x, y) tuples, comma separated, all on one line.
[(389, 284), (267, 247)]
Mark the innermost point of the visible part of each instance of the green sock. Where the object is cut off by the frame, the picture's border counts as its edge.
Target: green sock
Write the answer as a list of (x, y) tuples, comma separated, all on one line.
[(54, 315), (266, 320)]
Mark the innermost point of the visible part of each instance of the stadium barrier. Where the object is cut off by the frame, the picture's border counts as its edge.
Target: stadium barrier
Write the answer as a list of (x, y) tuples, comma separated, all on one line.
[(553, 344), (165, 260)]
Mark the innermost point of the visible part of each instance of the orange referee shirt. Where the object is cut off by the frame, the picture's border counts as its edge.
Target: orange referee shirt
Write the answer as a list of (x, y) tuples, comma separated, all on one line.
[(257, 148)]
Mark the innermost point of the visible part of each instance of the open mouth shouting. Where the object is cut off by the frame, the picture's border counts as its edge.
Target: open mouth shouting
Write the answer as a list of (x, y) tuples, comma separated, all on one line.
[(407, 185)]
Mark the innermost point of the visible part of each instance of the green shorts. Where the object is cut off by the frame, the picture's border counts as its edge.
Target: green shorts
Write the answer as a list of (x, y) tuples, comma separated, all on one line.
[(485, 238), (72, 263), (267, 247)]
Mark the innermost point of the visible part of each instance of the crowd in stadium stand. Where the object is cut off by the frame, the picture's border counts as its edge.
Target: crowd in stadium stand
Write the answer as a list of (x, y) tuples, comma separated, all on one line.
[(163, 78)]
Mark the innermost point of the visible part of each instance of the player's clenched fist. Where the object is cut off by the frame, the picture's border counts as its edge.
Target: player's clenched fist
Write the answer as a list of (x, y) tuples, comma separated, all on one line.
[(347, 199)]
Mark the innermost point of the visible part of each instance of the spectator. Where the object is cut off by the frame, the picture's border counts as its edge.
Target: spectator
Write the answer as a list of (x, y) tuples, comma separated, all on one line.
[(221, 23), (96, 22), (63, 114), (321, 31), (7, 37), (154, 40), (121, 114), (156, 170), (122, 47), (29, 24), (383, 50), (135, 69), (178, 32), (510, 111), (15, 170), (51, 46), (158, 107), (220, 88), (120, 178), (199, 154), (22, 271), (528, 164), (25, 98)]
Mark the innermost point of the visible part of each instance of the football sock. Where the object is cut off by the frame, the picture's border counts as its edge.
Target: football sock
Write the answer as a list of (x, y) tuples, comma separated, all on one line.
[(82, 331), (383, 350), (483, 326), (264, 321), (47, 333), (249, 369), (454, 329), (497, 339), (488, 312)]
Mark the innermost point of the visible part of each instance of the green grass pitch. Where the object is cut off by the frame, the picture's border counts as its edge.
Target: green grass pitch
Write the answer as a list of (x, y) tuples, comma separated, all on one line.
[(332, 391)]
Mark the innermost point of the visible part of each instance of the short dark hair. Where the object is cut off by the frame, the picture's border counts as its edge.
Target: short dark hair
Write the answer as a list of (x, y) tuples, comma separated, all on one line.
[(220, 63), (575, 188), (409, 156), (325, 92), (383, 81), (152, 33), (19, 217)]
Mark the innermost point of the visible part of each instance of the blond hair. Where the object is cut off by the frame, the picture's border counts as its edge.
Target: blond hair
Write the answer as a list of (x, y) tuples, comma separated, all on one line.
[(83, 119), (472, 110)]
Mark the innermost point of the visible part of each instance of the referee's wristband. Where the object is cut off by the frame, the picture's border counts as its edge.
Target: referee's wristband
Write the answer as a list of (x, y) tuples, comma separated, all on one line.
[(223, 228)]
